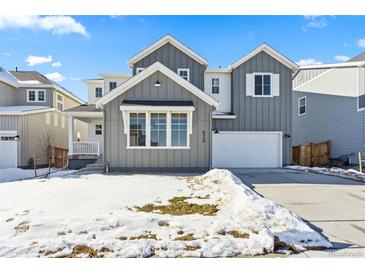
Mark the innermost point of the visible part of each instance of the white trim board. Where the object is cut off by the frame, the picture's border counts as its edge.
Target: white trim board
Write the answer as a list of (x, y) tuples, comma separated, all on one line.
[(157, 66), (269, 50), (161, 42)]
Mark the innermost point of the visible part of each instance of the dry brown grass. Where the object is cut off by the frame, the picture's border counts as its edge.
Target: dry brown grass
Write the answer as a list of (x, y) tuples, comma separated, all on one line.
[(187, 237), (123, 238), (238, 234), (148, 236), (191, 247), (178, 206), (87, 250), (22, 227)]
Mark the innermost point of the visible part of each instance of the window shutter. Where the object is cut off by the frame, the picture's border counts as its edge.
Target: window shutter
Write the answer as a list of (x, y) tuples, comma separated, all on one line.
[(250, 84), (275, 84)]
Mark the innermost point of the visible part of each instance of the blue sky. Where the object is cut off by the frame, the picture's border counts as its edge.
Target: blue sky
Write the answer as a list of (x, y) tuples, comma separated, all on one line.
[(70, 49)]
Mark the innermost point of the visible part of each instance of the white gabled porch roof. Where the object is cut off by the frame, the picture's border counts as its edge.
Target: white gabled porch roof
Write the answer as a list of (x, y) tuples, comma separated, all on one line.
[(148, 72)]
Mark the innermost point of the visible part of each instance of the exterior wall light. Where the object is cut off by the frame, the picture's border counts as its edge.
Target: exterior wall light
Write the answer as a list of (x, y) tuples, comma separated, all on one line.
[(16, 138), (157, 84)]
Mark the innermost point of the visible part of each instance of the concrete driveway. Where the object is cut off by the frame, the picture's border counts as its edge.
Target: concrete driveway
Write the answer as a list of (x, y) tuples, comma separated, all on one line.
[(333, 206)]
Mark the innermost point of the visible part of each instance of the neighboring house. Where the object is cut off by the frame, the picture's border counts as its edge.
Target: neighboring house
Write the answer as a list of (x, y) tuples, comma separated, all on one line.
[(32, 106), (175, 113), (329, 104)]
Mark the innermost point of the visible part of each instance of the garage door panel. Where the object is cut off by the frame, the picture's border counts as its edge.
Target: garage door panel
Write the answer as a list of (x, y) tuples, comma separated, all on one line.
[(8, 150), (247, 149)]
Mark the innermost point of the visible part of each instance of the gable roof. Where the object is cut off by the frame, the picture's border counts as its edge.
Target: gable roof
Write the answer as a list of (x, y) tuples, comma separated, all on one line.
[(161, 42), (360, 57), (157, 66), (269, 50), (35, 79)]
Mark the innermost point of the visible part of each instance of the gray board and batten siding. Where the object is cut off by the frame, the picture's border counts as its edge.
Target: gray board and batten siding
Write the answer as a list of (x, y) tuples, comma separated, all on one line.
[(115, 140), (257, 113), (173, 58)]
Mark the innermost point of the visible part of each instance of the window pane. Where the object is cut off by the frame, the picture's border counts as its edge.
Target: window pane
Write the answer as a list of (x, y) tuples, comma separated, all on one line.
[(40, 95), (301, 102), (267, 90), (31, 95), (267, 79), (302, 110), (258, 84), (158, 129), (183, 138), (137, 129), (215, 81), (215, 90)]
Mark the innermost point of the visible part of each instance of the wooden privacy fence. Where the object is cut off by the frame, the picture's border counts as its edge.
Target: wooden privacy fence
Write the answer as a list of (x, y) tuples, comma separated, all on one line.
[(312, 154), (60, 157)]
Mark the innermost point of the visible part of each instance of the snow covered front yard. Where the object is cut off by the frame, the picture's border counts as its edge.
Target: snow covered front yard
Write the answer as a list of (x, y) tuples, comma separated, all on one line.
[(212, 215)]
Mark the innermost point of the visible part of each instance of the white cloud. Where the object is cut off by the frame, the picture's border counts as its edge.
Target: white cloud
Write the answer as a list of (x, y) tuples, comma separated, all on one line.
[(56, 64), (59, 24), (7, 54), (55, 76), (75, 79), (361, 42), (314, 22), (36, 60), (309, 61), (342, 58)]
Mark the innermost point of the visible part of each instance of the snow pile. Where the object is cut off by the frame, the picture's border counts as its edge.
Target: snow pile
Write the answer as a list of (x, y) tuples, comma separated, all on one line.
[(345, 173), (49, 217)]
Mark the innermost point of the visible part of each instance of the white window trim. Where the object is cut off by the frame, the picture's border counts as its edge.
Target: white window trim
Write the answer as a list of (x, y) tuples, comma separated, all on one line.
[(139, 70), (36, 95), (305, 105), (61, 102), (219, 84), (262, 74), (148, 128), (184, 69)]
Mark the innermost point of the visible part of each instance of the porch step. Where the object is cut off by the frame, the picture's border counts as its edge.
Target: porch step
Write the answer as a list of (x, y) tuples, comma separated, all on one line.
[(95, 166)]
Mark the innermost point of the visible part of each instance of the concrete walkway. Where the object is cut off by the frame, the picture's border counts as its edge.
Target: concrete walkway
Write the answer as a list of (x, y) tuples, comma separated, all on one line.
[(333, 206)]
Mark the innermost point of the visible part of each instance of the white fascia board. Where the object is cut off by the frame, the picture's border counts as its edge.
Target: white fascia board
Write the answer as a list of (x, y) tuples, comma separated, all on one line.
[(157, 66), (218, 70), (160, 43), (335, 65), (93, 81), (8, 132), (114, 75), (155, 108), (10, 113), (269, 50), (85, 114), (228, 116)]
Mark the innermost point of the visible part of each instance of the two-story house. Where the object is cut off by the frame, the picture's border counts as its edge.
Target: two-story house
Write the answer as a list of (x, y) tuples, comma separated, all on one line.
[(175, 113), (329, 104), (31, 107)]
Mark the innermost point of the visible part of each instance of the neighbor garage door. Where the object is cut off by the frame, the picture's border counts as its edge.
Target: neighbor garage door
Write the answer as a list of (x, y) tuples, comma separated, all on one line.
[(247, 149), (8, 149)]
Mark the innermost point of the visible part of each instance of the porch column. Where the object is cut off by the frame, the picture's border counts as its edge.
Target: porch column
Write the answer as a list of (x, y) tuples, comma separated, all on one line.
[(70, 134)]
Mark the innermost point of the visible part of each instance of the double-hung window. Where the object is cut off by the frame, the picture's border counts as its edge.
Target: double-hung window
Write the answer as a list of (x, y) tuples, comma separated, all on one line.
[(179, 129), (215, 85), (98, 129), (262, 84), (302, 106), (112, 85), (184, 73), (98, 92), (60, 102), (158, 129), (34, 95), (165, 129), (137, 129)]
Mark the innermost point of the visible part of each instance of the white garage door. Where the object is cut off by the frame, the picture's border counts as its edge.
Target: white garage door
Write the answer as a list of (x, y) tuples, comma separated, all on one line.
[(8, 149), (247, 149)]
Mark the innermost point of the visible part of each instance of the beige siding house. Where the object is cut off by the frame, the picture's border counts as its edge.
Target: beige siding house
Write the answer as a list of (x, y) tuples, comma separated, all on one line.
[(32, 106)]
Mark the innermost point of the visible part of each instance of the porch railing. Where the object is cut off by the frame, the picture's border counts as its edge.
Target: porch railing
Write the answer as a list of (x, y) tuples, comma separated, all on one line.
[(86, 148)]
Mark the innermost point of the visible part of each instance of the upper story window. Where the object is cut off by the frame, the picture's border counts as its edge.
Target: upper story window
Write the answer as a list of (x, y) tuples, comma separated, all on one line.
[(112, 85), (262, 84), (215, 85), (60, 102), (98, 129), (302, 106), (138, 70), (98, 92), (184, 73), (34, 95)]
